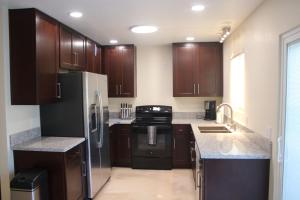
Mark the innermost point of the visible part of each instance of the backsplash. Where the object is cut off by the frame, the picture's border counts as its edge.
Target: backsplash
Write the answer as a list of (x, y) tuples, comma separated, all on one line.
[(24, 136), (179, 104), (176, 115)]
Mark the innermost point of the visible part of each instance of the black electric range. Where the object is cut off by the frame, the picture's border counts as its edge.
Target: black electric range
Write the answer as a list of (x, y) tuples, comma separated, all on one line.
[(152, 137)]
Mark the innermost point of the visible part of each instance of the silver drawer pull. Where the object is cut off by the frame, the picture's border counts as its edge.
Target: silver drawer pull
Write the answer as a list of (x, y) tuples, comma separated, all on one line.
[(174, 144), (58, 90)]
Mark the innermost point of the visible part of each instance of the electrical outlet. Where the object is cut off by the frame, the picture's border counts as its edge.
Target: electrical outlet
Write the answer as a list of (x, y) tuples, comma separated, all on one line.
[(269, 131)]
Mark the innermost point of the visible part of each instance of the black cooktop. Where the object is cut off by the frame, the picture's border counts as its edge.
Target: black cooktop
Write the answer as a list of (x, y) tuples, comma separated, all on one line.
[(153, 114)]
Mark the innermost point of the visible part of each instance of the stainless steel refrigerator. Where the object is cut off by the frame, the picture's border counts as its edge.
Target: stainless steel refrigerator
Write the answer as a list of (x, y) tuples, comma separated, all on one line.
[(82, 111)]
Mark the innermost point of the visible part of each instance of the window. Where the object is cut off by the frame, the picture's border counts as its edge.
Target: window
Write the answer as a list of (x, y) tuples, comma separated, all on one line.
[(237, 83)]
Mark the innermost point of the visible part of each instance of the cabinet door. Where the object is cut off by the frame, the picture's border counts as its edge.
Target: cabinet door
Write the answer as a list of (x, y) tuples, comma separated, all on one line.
[(184, 66), (112, 145), (127, 62), (78, 50), (122, 146), (53, 162), (34, 54), (112, 64), (209, 79), (90, 56), (66, 58), (47, 58), (181, 146), (98, 61), (74, 178)]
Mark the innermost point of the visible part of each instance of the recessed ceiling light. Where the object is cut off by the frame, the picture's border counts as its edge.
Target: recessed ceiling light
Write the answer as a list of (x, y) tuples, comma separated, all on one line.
[(190, 38), (198, 7), (75, 14), (144, 29), (113, 41)]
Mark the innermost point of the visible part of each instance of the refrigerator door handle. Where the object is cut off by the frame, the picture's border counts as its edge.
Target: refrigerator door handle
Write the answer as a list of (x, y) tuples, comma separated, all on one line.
[(101, 118), (96, 117)]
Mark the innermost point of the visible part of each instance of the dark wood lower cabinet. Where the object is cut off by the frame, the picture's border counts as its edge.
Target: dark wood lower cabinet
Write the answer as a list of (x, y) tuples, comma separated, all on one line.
[(182, 137), (120, 145), (230, 179), (66, 180)]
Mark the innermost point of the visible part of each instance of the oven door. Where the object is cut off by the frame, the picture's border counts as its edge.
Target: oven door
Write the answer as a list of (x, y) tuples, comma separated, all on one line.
[(151, 141)]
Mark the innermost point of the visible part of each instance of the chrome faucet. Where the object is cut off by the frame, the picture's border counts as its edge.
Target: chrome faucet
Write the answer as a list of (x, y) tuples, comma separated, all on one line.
[(231, 125)]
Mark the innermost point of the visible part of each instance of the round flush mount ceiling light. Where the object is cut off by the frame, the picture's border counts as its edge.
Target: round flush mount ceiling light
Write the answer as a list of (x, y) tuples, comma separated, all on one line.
[(198, 8), (75, 14), (144, 29), (190, 38), (113, 41)]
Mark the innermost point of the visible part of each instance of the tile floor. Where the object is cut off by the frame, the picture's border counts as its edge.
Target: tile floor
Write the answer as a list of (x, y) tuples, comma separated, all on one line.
[(129, 184)]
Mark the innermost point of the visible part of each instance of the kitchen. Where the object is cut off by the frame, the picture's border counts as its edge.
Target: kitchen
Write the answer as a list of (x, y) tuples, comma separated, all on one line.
[(257, 33)]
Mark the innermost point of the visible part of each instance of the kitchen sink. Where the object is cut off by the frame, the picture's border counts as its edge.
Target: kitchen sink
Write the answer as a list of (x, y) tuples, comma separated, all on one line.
[(214, 129)]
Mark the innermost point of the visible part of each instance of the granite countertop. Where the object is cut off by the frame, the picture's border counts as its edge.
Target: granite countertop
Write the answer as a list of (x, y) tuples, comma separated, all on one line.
[(114, 121), (237, 145), (49, 144)]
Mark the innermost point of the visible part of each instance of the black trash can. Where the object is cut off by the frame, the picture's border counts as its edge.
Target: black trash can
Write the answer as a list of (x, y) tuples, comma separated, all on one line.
[(30, 184)]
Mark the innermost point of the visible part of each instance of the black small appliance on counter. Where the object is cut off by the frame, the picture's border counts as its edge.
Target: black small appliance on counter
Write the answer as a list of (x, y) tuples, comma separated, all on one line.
[(210, 110), (152, 138)]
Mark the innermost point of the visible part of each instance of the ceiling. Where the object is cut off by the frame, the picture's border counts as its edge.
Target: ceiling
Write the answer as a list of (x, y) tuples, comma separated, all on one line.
[(110, 19)]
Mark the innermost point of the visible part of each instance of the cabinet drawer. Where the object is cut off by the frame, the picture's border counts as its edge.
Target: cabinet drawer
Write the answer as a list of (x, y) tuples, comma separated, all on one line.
[(181, 129)]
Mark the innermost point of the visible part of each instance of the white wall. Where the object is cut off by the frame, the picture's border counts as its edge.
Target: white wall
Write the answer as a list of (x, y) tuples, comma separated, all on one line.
[(14, 119), (259, 38), (155, 82)]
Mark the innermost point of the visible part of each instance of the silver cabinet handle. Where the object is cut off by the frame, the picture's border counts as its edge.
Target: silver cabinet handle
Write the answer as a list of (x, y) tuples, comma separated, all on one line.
[(76, 58), (58, 90), (191, 151), (198, 88), (198, 179), (128, 141), (83, 168), (120, 89), (117, 90), (174, 143), (194, 88), (74, 55)]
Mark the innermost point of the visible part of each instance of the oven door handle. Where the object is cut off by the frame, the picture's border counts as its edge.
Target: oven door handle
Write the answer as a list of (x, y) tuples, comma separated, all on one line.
[(157, 126)]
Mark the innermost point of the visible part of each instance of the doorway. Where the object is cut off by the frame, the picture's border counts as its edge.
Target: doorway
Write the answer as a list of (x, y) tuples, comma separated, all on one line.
[(289, 131)]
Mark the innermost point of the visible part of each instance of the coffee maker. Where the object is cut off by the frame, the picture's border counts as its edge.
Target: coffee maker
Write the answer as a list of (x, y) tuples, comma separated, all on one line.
[(210, 110)]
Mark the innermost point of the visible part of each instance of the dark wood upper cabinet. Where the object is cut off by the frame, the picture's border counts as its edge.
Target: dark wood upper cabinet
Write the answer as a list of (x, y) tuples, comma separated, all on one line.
[(127, 82), (90, 55), (119, 65), (93, 57), (184, 61), (78, 50), (197, 69), (72, 49), (210, 69), (66, 58), (98, 61), (34, 57)]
